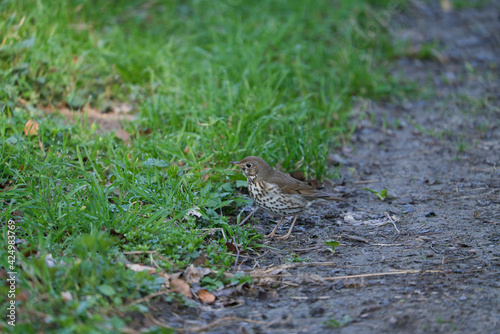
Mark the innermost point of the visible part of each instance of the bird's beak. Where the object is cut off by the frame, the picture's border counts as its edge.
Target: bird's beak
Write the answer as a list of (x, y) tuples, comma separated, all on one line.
[(237, 163)]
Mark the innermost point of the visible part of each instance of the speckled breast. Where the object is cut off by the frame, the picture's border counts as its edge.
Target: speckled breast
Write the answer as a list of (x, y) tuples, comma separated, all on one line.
[(269, 197)]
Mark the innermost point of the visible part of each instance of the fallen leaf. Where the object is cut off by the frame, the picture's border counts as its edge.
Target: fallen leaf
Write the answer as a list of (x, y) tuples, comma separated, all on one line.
[(22, 101), (122, 108), (49, 261), (236, 302), (30, 252), (31, 128), (122, 134), (205, 296), (232, 247), (23, 296), (268, 295), (201, 260), (180, 286), (140, 267), (66, 296), (145, 132), (446, 5), (194, 274), (194, 212), (119, 235)]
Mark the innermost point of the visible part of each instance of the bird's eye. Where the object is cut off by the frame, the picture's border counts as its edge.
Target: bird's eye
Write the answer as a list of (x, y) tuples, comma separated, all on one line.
[(249, 165)]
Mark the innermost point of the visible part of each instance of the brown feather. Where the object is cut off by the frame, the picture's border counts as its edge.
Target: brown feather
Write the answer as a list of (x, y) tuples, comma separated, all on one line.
[(286, 183), (277, 192)]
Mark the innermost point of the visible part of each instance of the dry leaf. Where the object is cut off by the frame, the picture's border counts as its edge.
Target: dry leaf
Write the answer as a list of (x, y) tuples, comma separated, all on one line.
[(31, 128), (66, 296), (23, 296), (140, 267), (270, 295), (122, 134), (233, 248), (201, 260), (22, 101), (40, 144), (49, 261), (194, 212), (120, 236), (122, 108), (167, 278), (193, 274), (205, 296), (446, 5), (180, 286)]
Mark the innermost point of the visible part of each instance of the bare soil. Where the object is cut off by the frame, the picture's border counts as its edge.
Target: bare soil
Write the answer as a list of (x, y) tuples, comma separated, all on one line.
[(425, 260)]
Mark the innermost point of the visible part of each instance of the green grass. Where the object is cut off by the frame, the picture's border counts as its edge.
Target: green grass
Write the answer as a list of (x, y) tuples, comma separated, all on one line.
[(210, 82)]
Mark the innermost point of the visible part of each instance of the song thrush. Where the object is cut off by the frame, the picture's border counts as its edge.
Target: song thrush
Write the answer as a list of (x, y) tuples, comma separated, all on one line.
[(277, 192)]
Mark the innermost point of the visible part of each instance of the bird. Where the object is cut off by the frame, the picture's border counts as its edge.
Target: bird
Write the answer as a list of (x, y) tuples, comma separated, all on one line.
[(277, 192)]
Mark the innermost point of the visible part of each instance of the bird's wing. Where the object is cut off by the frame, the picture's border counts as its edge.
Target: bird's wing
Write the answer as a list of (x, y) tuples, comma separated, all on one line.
[(292, 186)]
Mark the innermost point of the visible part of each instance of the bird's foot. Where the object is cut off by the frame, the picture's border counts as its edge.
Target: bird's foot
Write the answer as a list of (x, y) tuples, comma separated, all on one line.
[(284, 237)]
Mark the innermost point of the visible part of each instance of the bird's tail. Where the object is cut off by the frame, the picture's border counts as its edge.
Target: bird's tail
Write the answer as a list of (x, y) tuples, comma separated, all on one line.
[(330, 197)]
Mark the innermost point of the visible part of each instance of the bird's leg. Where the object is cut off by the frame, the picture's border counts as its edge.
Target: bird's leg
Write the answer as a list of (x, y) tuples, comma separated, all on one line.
[(270, 235), (289, 231), (249, 215)]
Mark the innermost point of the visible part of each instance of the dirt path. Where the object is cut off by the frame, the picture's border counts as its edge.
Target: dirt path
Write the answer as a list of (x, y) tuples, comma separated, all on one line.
[(440, 160)]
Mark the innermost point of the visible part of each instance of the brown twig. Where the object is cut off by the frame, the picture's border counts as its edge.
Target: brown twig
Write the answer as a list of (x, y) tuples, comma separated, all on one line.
[(392, 221), (206, 327), (355, 238), (153, 262), (249, 216), (387, 245), (305, 250), (314, 298), (308, 264), (141, 252), (459, 259), (400, 272), (432, 247), (365, 181), (237, 255), (298, 265), (127, 330), (211, 231), (148, 297)]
